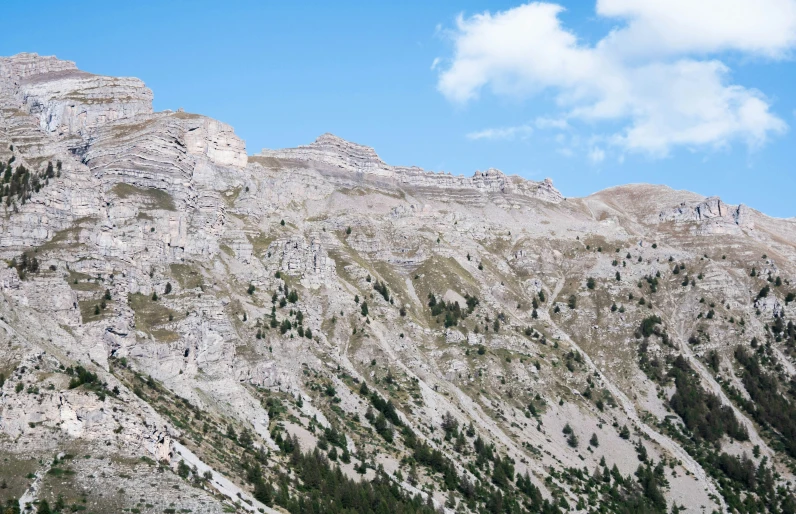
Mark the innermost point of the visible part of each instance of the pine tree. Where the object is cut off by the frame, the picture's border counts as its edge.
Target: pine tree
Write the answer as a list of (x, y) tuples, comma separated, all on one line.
[(245, 438), (263, 492), (43, 507)]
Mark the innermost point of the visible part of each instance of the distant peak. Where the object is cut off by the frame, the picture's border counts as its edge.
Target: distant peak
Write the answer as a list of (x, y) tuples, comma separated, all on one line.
[(491, 172), (329, 140), (328, 137), (335, 151)]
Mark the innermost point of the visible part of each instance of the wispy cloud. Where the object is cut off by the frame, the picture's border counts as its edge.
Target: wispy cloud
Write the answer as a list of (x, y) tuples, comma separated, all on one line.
[(551, 123), (505, 133), (596, 155)]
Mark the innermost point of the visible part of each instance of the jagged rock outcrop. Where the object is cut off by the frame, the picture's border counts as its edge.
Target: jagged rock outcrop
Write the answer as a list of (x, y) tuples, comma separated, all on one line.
[(718, 216), (306, 258)]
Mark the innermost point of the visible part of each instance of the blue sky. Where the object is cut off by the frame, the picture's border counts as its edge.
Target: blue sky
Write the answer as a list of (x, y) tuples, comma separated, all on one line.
[(589, 94)]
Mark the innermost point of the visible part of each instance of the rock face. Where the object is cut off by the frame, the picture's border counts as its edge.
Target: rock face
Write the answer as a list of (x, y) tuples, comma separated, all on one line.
[(214, 140), (68, 101), (721, 218), (171, 305)]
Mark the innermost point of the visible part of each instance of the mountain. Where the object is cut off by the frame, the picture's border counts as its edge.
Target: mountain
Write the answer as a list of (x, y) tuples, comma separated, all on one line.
[(188, 328)]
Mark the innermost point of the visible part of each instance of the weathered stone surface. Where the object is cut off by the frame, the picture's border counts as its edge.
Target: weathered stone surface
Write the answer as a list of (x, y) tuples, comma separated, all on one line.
[(68, 101), (717, 216)]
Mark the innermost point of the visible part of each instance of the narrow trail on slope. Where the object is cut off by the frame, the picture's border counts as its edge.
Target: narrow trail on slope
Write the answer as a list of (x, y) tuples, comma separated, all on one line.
[(630, 410)]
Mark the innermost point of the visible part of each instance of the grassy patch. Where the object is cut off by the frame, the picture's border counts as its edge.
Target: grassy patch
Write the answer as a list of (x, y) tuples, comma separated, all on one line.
[(150, 316), (88, 310), (230, 199), (278, 164), (261, 243), (82, 282), (187, 276), (438, 274), (13, 473), (153, 198), (67, 237)]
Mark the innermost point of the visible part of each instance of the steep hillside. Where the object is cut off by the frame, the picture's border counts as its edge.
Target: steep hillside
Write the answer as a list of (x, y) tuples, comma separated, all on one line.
[(185, 328)]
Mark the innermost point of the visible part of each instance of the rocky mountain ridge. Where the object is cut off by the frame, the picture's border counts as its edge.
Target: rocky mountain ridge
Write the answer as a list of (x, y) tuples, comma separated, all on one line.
[(336, 153), (243, 325)]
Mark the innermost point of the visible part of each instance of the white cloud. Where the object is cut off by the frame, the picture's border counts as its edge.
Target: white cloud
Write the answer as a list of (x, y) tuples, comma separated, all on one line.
[(765, 27), (653, 76), (689, 103), (509, 51), (521, 131), (435, 63), (596, 155)]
